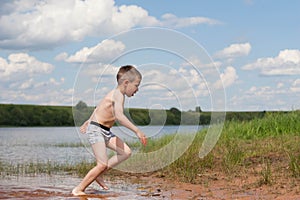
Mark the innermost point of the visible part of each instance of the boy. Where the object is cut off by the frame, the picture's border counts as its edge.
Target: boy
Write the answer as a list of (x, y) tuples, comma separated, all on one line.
[(109, 110)]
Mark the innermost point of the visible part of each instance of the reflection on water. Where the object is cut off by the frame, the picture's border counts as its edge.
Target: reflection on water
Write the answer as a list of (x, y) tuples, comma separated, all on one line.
[(62, 144)]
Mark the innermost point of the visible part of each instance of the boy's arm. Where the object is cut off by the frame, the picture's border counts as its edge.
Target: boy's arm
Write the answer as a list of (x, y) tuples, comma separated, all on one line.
[(123, 120)]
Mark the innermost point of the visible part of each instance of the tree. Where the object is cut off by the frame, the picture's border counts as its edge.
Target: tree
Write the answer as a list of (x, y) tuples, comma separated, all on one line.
[(198, 109), (81, 105), (175, 111)]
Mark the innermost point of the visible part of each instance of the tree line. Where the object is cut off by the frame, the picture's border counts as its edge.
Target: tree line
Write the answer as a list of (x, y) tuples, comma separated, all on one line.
[(38, 115)]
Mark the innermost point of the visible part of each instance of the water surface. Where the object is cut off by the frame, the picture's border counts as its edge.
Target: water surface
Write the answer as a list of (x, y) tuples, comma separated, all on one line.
[(63, 144)]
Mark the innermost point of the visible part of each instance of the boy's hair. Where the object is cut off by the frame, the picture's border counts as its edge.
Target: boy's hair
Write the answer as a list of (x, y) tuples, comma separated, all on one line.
[(128, 72)]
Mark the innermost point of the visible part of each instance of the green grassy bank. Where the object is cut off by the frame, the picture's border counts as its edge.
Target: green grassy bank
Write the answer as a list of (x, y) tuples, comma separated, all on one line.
[(271, 142)]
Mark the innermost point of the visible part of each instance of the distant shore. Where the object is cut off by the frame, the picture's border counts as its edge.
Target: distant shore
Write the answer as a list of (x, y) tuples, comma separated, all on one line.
[(38, 115)]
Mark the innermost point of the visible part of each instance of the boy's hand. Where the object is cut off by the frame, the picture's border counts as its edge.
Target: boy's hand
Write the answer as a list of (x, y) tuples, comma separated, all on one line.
[(142, 137), (84, 127), (143, 140)]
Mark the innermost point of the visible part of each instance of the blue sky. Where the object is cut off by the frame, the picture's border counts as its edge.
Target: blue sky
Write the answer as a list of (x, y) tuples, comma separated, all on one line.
[(59, 52)]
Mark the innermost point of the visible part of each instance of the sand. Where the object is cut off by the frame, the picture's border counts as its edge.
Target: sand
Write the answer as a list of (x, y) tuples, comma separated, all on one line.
[(149, 186)]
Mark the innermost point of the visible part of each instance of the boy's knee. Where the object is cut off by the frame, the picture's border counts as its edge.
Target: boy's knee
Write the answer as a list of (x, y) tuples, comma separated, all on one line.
[(102, 166), (127, 153)]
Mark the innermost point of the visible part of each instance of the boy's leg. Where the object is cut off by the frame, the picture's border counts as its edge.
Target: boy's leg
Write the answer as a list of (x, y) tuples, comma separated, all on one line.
[(122, 149), (99, 150), (123, 152)]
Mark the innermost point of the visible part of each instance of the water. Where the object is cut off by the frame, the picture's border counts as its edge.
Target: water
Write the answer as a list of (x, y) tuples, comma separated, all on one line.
[(63, 144)]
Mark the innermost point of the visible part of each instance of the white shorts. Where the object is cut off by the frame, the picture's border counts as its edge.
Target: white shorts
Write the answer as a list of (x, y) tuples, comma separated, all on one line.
[(98, 133)]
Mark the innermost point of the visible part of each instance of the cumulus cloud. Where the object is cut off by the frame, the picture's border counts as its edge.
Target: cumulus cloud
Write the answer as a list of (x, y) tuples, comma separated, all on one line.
[(48, 23), (286, 63), (102, 52), (282, 96), (37, 23), (25, 79), (126, 17), (46, 94), (22, 65), (33, 91), (228, 77), (234, 50)]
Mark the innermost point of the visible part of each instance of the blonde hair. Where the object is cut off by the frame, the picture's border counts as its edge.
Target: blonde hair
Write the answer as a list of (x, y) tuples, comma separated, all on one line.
[(128, 72)]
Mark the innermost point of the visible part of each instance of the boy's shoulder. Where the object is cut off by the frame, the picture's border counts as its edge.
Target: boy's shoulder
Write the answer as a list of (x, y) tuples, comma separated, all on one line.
[(114, 94)]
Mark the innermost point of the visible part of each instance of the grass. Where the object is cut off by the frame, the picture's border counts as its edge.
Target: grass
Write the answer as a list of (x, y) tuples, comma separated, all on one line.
[(294, 164), (50, 168), (266, 173), (245, 145), (71, 145), (267, 147)]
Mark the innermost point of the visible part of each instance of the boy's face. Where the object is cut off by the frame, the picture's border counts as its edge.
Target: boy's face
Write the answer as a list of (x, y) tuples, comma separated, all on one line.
[(132, 87)]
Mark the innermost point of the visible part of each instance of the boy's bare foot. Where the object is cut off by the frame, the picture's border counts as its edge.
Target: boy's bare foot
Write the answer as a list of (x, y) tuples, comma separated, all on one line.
[(77, 192), (100, 181)]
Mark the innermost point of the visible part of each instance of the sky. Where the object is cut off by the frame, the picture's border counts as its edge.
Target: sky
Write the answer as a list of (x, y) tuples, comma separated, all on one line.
[(238, 55)]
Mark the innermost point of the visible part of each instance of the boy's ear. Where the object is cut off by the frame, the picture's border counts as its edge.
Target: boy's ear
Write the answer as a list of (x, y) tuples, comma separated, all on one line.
[(125, 82)]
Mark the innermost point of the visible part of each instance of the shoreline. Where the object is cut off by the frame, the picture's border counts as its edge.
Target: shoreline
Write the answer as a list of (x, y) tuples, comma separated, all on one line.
[(149, 186)]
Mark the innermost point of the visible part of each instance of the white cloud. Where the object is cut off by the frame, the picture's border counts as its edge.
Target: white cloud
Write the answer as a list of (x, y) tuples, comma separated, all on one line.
[(25, 79), (170, 86), (99, 71), (196, 62), (27, 84), (227, 78), (170, 20), (62, 56), (286, 63), (43, 24), (234, 50), (281, 96), (21, 66), (126, 17), (102, 52), (295, 87), (280, 85), (32, 84), (31, 91), (34, 23)]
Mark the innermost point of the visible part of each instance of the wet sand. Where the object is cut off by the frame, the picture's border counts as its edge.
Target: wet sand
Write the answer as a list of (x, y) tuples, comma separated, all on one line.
[(59, 187), (142, 187)]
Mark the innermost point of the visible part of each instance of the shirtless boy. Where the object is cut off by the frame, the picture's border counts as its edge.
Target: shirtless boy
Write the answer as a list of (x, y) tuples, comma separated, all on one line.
[(109, 110)]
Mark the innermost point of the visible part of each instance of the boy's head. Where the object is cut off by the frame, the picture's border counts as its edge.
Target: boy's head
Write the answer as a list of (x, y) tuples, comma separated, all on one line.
[(128, 72)]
